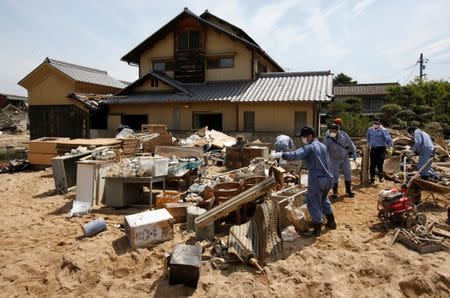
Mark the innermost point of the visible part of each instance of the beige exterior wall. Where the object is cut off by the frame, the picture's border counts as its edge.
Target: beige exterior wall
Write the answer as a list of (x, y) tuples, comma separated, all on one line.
[(163, 113), (147, 86), (162, 49), (220, 43), (276, 117), (263, 61)]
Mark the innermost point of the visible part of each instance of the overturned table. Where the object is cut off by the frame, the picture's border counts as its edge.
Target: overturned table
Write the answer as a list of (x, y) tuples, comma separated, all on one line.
[(124, 191)]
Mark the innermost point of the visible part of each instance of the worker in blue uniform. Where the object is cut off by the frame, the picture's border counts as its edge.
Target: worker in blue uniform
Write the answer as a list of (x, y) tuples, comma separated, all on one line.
[(378, 138), (424, 147), (284, 143), (320, 177), (340, 148)]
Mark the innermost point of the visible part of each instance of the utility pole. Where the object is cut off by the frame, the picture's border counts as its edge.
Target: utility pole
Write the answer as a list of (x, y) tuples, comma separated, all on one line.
[(422, 67)]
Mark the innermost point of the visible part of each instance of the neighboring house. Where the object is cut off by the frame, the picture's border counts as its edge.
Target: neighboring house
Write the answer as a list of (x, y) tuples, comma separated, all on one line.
[(372, 95), (18, 101), (201, 70), (54, 107)]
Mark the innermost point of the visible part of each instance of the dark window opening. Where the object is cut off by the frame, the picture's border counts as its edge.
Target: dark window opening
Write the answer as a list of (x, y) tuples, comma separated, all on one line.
[(188, 40), (162, 66), (249, 121), (217, 62), (261, 68), (134, 121), (202, 119), (154, 82), (300, 122), (99, 118)]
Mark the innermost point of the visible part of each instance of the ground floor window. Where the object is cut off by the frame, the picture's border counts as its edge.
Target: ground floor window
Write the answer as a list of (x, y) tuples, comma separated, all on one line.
[(299, 122), (134, 121), (249, 121), (211, 119)]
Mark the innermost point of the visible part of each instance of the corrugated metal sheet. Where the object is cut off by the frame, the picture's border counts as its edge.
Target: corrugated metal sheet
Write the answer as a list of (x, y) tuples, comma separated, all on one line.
[(363, 89), (270, 87), (86, 74)]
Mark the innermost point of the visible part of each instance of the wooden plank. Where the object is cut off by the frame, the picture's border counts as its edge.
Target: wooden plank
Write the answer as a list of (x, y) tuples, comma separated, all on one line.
[(234, 203), (365, 165), (180, 152), (440, 232)]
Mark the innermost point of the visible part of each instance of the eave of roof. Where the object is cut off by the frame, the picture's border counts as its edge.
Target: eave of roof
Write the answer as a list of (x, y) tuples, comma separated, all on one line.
[(134, 54)]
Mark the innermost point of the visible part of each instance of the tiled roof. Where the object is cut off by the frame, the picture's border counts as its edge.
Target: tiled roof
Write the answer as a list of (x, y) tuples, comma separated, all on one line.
[(270, 87), (15, 97), (213, 91), (300, 86), (362, 89), (86, 74)]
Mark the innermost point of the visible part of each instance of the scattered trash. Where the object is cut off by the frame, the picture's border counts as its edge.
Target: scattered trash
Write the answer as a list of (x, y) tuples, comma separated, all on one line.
[(185, 263), (94, 227), (79, 208), (289, 234)]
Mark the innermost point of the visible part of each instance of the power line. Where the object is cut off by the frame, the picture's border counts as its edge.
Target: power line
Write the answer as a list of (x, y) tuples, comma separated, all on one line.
[(411, 72)]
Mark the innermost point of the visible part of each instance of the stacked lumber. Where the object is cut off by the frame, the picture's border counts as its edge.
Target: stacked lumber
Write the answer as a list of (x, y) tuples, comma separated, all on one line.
[(66, 146), (130, 146), (41, 151), (154, 128)]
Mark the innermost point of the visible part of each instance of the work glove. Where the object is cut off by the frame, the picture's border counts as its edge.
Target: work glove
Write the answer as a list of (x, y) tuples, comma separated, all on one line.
[(275, 155), (389, 151)]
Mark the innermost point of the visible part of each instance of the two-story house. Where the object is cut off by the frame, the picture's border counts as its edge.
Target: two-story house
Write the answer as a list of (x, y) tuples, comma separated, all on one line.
[(201, 70)]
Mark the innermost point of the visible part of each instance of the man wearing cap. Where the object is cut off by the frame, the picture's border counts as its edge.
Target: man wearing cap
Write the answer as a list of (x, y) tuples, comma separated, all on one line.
[(340, 147), (320, 177), (284, 143), (378, 138), (423, 146)]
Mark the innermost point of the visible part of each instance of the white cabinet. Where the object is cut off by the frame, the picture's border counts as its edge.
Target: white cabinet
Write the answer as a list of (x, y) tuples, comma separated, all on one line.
[(90, 182)]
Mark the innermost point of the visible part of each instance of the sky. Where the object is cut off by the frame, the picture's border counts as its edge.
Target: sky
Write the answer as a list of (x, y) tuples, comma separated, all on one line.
[(369, 40)]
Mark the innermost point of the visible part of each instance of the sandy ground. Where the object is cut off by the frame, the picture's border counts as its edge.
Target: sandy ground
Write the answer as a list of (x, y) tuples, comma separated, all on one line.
[(44, 254)]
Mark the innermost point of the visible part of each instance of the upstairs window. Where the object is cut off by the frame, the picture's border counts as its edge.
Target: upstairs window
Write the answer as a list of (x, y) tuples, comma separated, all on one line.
[(188, 40), (162, 66), (261, 68), (220, 62)]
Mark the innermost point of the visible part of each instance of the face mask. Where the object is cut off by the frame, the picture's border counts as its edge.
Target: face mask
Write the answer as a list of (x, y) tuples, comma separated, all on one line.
[(333, 134), (305, 140), (376, 126)]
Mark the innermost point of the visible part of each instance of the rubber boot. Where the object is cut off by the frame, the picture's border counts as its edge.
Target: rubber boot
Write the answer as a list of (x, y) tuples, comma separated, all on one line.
[(372, 180), (334, 196), (315, 232), (348, 189), (330, 221)]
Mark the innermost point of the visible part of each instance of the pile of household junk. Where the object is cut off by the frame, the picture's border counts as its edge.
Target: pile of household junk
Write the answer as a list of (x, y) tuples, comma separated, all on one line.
[(239, 204), (399, 208)]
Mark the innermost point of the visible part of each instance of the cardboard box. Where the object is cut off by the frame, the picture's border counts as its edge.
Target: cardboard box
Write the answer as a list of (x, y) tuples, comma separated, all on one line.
[(149, 227)]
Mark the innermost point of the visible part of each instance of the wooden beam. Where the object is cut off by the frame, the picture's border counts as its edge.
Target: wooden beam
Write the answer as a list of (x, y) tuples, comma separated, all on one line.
[(237, 201)]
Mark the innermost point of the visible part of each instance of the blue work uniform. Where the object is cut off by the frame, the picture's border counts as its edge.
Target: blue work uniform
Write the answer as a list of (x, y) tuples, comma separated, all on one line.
[(377, 139), (339, 149), (320, 177), (423, 145), (284, 143)]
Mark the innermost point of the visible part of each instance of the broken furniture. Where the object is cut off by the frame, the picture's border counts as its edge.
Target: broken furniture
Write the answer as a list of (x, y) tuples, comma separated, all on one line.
[(124, 191), (65, 170), (178, 210), (432, 188), (185, 263), (234, 203), (238, 157), (148, 227), (90, 182), (41, 151), (293, 196), (66, 146)]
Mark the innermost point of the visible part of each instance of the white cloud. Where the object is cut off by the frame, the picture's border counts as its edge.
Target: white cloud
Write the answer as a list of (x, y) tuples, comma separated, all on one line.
[(437, 46), (361, 6)]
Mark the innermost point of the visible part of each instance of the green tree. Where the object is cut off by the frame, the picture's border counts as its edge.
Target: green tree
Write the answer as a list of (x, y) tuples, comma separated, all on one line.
[(343, 79), (419, 103)]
